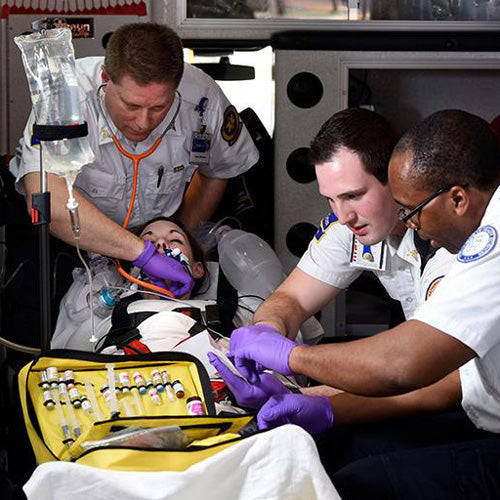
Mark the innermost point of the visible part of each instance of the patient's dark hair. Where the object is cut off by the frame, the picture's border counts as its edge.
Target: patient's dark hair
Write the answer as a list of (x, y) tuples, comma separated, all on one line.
[(198, 254)]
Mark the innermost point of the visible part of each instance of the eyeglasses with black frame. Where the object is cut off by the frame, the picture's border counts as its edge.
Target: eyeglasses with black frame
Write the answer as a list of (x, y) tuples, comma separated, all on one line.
[(405, 215)]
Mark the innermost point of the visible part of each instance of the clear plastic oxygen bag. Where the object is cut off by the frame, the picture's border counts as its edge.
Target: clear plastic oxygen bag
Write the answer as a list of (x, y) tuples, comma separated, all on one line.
[(49, 63), (249, 263)]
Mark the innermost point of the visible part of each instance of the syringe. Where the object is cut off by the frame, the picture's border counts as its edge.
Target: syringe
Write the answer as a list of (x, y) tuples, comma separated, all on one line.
[(93, 400), (113, 401), (63, 392), (67, 438)]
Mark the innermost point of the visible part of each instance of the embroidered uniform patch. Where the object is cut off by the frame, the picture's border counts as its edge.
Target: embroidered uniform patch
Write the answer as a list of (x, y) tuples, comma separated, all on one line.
[(480, 243), (231, 127), (323, 225), (432, 287)]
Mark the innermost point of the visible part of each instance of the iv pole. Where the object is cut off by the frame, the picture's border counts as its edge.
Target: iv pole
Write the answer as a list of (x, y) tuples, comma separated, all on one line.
[(40, 216)]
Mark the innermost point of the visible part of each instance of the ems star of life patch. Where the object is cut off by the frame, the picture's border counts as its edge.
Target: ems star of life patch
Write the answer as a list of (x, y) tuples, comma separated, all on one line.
[(231, 127), (480, 243)]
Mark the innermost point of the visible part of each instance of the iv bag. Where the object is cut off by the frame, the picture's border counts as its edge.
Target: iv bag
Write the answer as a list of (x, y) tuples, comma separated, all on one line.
[(49, 63)]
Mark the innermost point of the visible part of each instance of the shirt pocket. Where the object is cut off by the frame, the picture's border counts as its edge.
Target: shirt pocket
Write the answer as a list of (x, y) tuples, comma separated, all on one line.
[(104, 190), (165, 186)]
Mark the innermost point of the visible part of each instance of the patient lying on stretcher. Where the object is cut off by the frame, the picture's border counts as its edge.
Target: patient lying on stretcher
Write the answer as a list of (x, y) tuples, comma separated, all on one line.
[(159, 324), (197, 323), (211, 300)]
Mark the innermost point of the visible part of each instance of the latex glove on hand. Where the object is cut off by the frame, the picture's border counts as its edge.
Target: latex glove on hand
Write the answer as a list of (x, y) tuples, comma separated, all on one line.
[(312, 413), (162, 269), (260, 346), (248, 395)]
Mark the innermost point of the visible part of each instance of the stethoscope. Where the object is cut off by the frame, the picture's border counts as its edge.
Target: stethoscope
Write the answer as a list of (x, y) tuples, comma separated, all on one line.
[(136, 159)]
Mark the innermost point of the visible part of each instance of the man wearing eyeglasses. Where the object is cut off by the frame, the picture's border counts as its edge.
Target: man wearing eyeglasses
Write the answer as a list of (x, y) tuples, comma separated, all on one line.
[(445, 175), (362, 233)]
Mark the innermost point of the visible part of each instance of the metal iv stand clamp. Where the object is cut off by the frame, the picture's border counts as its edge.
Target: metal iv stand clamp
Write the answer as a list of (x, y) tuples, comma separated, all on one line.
[(40, 216)]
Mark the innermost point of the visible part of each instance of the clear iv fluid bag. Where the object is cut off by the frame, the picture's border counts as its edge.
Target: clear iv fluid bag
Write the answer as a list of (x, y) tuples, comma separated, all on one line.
[(249, 263), (49, 63)]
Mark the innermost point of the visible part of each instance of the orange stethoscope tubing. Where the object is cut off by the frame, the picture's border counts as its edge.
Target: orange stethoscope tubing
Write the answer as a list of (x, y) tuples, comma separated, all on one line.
[(136, 158)]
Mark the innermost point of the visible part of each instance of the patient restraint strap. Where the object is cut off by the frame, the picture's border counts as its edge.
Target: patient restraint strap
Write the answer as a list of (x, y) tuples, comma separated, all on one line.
[(121, 317), (124, 325)]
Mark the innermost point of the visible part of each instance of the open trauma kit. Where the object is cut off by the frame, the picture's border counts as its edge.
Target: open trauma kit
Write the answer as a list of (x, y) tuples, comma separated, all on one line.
[(146, 412)]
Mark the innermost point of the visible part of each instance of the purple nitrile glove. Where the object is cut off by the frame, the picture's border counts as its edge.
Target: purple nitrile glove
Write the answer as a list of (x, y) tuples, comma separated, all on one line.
[(161, 268), (312, 413), (246, 394), (257, 346)]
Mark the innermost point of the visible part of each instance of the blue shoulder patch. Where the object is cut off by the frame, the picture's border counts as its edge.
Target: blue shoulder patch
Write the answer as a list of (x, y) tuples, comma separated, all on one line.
[(324, 224), (480, 243)]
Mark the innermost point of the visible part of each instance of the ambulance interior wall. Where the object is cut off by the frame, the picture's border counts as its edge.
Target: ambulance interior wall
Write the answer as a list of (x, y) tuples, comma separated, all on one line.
[(404, 90)]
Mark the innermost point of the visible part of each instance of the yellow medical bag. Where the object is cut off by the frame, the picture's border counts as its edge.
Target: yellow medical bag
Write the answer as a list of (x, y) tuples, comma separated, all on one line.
[(46, 410)]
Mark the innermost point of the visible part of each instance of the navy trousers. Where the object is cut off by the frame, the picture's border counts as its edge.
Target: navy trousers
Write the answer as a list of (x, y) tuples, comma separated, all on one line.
[(440, 456)]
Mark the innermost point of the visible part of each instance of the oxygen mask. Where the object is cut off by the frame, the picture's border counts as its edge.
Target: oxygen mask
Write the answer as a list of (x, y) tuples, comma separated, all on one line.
[(176, 253), (173, 253)]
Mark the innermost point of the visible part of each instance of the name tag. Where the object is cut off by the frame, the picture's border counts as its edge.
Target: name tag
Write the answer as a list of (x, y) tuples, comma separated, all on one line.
[(200, 148)]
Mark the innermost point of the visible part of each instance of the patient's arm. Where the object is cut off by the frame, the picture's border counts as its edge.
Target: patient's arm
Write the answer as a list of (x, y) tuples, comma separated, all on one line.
[(440, 396)]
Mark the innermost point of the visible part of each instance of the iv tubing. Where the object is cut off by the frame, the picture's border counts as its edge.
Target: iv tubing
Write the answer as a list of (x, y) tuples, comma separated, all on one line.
[(19, 347), (93, 338)]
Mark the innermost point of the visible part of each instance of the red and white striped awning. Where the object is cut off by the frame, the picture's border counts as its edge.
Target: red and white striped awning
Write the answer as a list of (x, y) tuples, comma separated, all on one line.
[(68, 5)]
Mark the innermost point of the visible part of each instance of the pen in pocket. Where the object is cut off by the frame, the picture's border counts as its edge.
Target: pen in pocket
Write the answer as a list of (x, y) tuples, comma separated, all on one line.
[(160, 175)]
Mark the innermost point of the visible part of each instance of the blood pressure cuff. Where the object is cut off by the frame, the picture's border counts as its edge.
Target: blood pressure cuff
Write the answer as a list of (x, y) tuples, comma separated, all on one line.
[(167, 434)]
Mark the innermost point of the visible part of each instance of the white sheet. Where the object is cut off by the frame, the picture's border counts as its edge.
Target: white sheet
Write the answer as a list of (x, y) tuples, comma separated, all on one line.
[(281, 464)]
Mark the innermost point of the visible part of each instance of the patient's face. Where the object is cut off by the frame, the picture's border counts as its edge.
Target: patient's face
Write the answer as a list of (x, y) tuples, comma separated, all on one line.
[(165, 234)]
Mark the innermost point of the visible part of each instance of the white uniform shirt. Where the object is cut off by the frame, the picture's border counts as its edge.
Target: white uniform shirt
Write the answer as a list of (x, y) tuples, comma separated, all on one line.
[(328, 259), (466, 306), (108, 181)]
